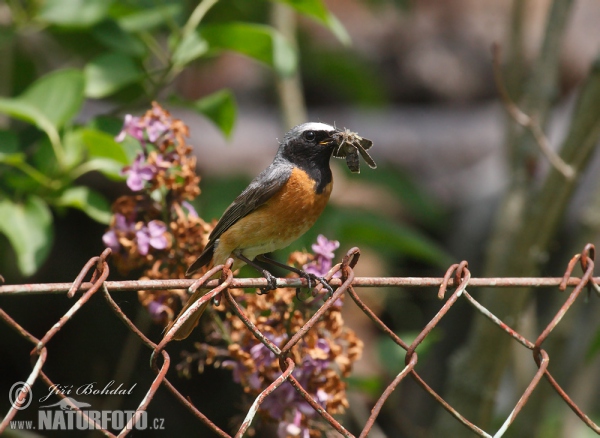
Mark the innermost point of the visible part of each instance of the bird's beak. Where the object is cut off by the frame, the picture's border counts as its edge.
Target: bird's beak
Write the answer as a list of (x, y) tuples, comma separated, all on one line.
[(332, 139)]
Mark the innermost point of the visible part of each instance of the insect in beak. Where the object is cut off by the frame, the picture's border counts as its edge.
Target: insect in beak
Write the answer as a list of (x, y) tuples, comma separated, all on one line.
[(350, 144)]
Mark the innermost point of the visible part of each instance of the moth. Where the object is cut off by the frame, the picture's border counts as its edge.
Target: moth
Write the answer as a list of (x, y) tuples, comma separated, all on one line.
[(350, 144)]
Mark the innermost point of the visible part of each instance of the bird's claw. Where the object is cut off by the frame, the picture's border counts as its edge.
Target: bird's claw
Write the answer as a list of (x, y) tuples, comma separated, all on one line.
[(314, 279), (324, 283), (271, 283)]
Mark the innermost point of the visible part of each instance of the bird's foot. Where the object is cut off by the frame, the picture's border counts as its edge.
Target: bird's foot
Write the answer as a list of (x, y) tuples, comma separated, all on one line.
[(313, 279), (271, 282), (324, 283)]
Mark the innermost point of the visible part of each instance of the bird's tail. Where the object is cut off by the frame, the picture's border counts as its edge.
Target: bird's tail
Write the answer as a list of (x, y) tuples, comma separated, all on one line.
[(189, 324)]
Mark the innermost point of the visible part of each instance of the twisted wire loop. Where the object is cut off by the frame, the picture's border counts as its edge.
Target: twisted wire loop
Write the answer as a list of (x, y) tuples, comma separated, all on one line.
[(457, 276), (100, 274)]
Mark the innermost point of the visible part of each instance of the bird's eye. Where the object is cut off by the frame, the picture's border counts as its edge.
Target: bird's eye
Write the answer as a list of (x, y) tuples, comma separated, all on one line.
[(310, 135)]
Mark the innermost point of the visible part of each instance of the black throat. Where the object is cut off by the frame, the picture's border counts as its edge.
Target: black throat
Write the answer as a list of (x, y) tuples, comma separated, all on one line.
[(319, 172), (316, 165)]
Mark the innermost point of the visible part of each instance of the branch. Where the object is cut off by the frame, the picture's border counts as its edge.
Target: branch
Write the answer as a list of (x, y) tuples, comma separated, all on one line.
[(527, 121)]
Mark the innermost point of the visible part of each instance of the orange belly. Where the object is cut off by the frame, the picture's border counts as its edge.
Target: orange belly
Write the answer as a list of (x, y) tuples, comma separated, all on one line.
[(277, 223)]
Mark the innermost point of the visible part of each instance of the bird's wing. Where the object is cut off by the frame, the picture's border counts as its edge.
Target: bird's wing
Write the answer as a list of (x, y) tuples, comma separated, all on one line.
[(259, 191)]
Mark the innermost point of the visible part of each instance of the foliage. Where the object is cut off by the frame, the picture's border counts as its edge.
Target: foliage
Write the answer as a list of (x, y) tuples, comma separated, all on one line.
[(125, 52)]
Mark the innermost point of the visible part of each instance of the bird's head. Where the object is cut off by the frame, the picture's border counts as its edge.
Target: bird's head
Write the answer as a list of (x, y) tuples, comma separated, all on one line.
[(309, 143)]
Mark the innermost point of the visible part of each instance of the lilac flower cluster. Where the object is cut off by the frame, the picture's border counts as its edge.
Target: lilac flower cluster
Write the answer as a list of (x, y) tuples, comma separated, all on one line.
[(156, 228), (145, 236), (325, 354)]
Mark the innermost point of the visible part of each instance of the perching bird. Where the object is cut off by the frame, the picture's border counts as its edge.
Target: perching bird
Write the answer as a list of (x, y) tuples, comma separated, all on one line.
[(278, 207)]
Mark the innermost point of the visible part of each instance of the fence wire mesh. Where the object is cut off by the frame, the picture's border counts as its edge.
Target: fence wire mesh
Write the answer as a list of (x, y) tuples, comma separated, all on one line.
[(457, 277)]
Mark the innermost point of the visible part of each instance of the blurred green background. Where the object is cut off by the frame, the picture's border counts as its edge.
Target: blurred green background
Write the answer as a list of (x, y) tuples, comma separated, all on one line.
[(457, 179)]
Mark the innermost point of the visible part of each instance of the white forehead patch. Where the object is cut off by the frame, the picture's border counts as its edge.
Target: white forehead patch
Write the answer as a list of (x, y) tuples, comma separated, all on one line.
[(314, 126)]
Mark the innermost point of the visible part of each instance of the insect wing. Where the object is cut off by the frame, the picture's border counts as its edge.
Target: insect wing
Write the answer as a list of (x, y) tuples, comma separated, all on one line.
[(341, 150), (365, 143), (362, 147)]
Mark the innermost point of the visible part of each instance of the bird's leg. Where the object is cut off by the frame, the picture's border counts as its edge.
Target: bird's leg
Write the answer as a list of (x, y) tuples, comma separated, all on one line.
[(271, 280), (309, 277)]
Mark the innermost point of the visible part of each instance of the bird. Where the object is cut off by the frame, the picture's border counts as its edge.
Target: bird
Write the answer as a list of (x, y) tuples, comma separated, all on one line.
[(278, 206)]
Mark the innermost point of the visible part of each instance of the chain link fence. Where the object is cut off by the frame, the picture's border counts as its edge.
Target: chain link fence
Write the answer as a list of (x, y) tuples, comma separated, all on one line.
[(457, 277)]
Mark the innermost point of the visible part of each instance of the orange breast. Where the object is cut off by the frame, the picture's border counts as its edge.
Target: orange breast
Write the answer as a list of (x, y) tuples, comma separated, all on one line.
[(276, 223)]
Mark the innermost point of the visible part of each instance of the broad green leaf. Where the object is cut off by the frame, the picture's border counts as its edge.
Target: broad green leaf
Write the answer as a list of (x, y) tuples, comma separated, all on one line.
[(108, 73), (74, 13), (189, 49), (149, 18), (112, 35), (85, 199), (58, 95), (44, 160), (28, 227), (260, 42), (74, 147), (219, 107), (317, 10), (22, 110), (110, 168), (102, 145)]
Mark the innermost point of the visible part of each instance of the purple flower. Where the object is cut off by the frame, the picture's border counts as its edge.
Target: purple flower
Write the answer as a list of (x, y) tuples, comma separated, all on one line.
[(131, 126), (261, 354), (121, 225), (159, 311), (325, 247), (111, 240), (138, 173), (190, 208), (319, 267), (293, 428), (324, 252), (151, 236), (155, 129)]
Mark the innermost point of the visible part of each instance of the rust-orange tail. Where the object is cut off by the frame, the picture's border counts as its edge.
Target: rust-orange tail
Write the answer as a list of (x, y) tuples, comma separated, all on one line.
[(191, 323)]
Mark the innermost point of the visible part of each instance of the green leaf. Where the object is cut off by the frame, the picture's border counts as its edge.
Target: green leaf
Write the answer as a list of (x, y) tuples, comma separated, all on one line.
[(111, 168), (220, 108), (108, 73), (148, 18), (102, 145), (74, 13), (74, 147), (317, 10), (112, 35), (25, 111), (90, 202), (28, 228), (58, 95), (260, 42), (43, 159), (190, 48)]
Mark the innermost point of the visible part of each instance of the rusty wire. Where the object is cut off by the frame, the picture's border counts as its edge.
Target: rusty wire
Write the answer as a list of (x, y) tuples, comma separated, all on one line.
[(457, 276)]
